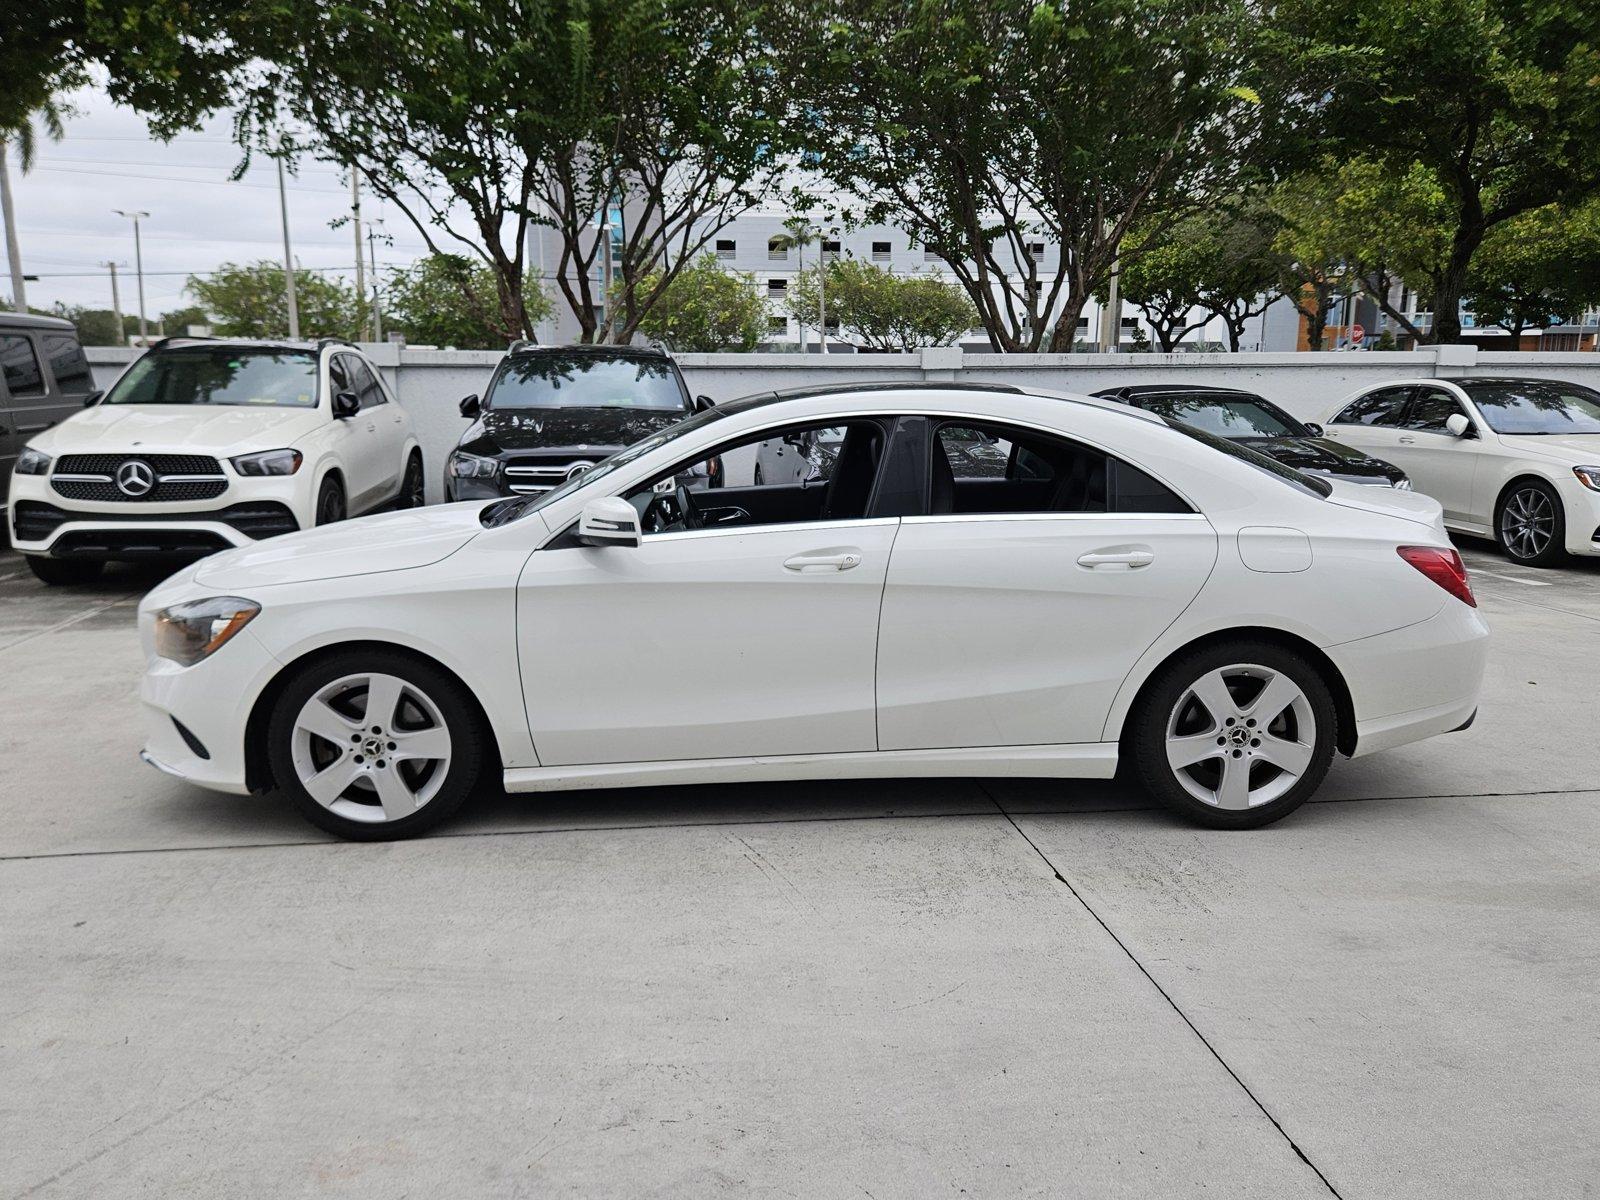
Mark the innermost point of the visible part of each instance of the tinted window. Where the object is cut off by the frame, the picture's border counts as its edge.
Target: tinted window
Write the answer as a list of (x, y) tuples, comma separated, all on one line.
[(1535, 406), (586, 381), (1431, 409), (1271, 466), (221, 375), (1386, 406), (21, 366), (67, 363), (362, 383), (1227, 416)]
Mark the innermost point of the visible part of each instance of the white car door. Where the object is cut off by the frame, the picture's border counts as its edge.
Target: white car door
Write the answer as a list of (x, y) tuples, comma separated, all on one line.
[(1439, 463), (360, 446), (387, 422), (1371, 423), (1014, 610), (754, 634)]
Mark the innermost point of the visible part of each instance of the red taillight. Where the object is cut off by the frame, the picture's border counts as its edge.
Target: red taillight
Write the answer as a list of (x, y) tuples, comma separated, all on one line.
[(1444, 567)]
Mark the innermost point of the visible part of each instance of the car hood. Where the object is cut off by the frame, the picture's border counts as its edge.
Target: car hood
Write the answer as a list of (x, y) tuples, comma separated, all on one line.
[(178, 429), (1324, 457), (1408, 506), (398, 541), (1578, 449), (576, 428)]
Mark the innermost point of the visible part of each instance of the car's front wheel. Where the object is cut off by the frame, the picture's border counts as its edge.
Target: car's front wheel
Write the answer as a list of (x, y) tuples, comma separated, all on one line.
[(1234, 736), (1530, 525), (330, 501), (62, 572), (412, 488), (373, 745)]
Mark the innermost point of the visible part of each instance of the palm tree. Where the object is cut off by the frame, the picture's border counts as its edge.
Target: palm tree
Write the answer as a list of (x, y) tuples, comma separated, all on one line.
[(801, 233), (24, 135)]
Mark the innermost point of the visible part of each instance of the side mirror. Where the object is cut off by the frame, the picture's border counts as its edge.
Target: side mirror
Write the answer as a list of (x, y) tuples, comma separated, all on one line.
[(1314, 429), (346, 405), (701, 403), (608, 521), (92, 399), (470, 407), (1458, 425)]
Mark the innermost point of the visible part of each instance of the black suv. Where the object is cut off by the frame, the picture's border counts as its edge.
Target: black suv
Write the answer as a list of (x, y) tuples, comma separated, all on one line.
[(552, 412)]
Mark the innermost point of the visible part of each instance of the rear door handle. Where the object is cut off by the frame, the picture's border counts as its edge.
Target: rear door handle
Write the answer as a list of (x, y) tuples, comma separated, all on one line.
[(807, 564), (1123, 558), (1405, 439)]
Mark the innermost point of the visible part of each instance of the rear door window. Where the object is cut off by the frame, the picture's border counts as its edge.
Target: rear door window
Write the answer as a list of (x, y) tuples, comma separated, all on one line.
[(68, 363), (20, 366)]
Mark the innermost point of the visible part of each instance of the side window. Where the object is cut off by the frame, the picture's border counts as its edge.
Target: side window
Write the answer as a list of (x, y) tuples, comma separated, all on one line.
[(364, 385), (781, 476), (339, 375), (1386, 406), (68, 364), (997, 469), (1431, 409), (21, 366)]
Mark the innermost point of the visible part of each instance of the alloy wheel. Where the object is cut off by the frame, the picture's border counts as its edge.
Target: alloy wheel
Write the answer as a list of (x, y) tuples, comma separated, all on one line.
[(1527, 522), (1240, 736), (371, 747)]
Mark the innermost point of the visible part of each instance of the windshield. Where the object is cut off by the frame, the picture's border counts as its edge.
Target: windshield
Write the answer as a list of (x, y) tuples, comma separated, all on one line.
[(1535, 406), (225, 375), (586, 381), (503, 512), (1255, 458), (1229, 417)]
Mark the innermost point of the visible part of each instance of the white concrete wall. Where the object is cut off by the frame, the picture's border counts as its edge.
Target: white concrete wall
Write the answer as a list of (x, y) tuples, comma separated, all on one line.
[(430, 383)]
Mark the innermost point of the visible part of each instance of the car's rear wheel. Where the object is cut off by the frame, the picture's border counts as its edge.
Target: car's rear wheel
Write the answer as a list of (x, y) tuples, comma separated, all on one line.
[(1234, 736), (1530, 525), (62, 572), (372, 745), (330, 501)]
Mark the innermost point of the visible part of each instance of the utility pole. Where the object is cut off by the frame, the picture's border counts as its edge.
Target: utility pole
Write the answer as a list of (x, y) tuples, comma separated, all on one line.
[(822, 299), (377, 296), (355, 220), (605, 286), (1111, 317), (288, 258), (138, 268), (19, 285), (116, 303)]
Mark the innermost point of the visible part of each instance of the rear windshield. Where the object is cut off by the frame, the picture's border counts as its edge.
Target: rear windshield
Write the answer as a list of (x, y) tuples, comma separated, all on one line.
[(1232, 416), (1535, 406), (585, 381), (221, 375), (1311, 483)]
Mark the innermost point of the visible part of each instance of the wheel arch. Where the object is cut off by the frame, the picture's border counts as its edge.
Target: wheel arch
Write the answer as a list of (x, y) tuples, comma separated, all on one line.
[(1523, 474), (1343, 703), (257, 763)]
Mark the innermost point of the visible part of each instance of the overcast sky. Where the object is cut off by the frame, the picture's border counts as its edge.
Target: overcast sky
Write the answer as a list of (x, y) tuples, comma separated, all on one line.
[(198, 219)]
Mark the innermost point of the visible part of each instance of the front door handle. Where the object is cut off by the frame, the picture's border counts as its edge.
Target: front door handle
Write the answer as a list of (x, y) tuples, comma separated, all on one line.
[(1405, 439), (807, 564), (1118, 558), (372, 427)]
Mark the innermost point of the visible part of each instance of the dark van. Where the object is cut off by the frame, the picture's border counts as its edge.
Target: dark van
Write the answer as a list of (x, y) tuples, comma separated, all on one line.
[(44, 379)]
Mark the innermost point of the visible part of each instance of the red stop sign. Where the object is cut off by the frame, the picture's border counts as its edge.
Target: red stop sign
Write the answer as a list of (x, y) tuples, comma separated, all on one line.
[(1357, 332)]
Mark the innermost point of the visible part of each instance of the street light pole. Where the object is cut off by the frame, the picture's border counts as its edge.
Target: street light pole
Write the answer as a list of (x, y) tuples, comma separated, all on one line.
[(355, 220), (19, 286), (288, 258), (822, 299), (138, 268), (377, 296)]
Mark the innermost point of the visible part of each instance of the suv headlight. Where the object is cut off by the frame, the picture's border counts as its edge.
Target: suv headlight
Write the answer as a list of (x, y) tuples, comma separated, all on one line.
[(187, 633), (268, 462), (1588, 476), (472, 466), (32, 462)]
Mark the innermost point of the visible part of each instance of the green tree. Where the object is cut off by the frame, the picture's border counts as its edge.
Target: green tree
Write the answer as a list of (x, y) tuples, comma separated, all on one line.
[(249, 301), (450, 300), (1242, 279), (95, 326), (1496, 103), (984, 126), (881, 310), (1163, 280), (705, 308), (179, 319), (1537, 270)]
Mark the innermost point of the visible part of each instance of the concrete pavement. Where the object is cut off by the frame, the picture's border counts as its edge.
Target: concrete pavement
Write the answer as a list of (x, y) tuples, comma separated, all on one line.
[(990, 988)]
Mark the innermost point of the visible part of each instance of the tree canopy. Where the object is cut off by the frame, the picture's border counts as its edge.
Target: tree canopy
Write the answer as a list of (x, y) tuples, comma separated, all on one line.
[(881, 310), (248, 300), (705, 308)]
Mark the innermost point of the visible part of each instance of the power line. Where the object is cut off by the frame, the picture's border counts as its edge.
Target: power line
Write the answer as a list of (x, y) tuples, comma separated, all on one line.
[(174, 179)]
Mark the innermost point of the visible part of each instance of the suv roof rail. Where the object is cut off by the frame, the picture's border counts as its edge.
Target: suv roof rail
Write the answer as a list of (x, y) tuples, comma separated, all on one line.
[(521, 344), (324, 342), (179, 337)]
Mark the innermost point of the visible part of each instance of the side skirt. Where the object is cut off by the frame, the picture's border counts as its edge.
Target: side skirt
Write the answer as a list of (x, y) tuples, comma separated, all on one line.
[(1084, 760)]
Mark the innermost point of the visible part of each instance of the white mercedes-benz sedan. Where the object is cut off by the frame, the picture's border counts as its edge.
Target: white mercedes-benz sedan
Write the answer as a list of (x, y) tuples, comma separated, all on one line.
[(1098, 586)]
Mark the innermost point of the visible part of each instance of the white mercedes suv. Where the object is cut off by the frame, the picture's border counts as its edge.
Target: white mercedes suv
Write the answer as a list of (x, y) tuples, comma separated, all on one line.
[(205, 444)]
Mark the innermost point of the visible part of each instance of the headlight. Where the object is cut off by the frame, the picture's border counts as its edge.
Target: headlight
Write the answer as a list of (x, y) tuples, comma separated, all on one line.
[(268, 462), (1403, 484), (472, 466), (32, 462), (187, 633), (1588, 476)]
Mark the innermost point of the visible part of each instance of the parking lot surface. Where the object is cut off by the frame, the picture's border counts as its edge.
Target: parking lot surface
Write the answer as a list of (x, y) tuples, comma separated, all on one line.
[(883, 989)]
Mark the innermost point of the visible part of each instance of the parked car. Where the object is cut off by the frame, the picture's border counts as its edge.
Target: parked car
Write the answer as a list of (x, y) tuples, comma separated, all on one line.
[(44, 379), (204, 444), (1514, 459), (1129, 588), (552, 412), (1256, 422)]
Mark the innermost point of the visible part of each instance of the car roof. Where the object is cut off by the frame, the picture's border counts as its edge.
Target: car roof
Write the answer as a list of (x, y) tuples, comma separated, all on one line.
[(844, 390), (1138, 391), (580, 350), (16, 320), (185, 342)]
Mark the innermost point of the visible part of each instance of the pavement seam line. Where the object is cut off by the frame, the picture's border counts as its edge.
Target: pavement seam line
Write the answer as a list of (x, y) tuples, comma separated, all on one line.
[(1171, 1003), (59, 625)]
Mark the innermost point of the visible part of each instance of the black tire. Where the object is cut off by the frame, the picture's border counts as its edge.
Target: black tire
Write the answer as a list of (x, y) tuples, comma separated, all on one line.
[(413, 489), (468, 742), (330, 501), (64, 572), (1530, 525), (756, 476), (1146, 740)]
